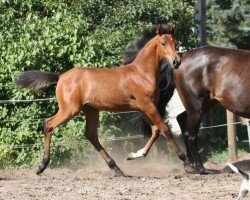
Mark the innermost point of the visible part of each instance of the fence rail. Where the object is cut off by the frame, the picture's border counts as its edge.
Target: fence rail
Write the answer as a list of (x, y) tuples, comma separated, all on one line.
[(30, 146)]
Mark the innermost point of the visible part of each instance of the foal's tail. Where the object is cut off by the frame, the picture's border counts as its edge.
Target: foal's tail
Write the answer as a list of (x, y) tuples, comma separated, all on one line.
[(235, 169), (36, 80)]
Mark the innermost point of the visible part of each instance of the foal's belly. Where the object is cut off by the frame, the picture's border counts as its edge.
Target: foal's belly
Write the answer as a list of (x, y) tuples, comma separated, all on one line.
[(110, 100)]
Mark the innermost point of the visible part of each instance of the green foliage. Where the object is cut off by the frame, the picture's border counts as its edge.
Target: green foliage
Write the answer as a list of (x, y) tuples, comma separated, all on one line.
[(229, 23), (221, 155), (56, 35)]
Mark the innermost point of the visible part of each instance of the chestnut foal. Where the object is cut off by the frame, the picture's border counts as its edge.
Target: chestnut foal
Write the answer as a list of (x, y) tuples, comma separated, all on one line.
[(132, 87)]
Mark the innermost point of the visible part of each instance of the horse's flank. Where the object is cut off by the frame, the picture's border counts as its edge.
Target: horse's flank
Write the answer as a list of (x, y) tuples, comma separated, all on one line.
[(209, 72)]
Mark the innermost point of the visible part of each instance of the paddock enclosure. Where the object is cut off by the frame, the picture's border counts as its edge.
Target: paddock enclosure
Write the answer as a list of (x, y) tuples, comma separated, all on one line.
[(167, 180)]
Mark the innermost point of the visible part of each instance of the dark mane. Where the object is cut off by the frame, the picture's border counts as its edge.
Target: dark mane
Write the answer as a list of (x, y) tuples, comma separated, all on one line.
[(146, 35)]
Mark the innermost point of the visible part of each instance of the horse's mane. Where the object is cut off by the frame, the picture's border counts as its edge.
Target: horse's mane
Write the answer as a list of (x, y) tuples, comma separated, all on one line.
[(147, 34), (166, 84)]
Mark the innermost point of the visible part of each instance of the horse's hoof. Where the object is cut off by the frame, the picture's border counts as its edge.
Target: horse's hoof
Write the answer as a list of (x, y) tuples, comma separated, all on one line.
[(130, 156), (190, 169), (119, 174), (205, 171), (38, 172), (40, 169)]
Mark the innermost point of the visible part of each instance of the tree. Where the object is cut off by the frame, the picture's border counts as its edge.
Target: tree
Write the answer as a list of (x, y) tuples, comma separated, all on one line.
[(229, 23)]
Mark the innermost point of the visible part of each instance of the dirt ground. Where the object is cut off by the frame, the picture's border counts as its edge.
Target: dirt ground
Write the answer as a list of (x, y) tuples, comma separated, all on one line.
[(144, 180)]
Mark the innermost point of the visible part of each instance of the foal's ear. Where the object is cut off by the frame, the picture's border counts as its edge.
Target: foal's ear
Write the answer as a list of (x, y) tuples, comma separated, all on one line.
[(172, 29), (159, 30)]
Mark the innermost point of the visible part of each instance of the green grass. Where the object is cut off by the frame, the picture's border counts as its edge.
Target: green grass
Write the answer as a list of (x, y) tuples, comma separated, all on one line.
[(220, 155)]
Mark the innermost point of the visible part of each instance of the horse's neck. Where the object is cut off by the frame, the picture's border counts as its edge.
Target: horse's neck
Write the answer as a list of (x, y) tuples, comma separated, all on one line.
[(148, 61)]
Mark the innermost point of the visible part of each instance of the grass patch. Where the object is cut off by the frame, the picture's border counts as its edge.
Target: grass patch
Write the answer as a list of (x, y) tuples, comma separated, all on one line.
[(220, 155)]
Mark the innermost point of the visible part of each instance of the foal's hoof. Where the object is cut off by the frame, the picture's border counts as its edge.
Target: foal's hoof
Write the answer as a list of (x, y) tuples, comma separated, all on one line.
[(131, 156), (140, 153), (119, 174), (39, 171)]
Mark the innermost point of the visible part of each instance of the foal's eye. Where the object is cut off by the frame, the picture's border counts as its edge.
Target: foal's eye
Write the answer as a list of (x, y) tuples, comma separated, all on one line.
[(164, 44)]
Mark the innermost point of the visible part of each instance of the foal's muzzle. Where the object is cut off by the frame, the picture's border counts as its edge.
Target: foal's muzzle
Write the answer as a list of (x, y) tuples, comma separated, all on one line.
[(176, 64)]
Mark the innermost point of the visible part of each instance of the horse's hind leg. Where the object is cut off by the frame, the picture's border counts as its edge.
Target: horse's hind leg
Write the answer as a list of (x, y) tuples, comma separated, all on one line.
[(49, 124), (92, 122), (182, 121), (193, 124)]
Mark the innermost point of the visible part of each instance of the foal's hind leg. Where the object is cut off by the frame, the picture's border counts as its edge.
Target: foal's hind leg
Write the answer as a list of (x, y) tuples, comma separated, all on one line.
[(149, 109), (62, 116), (92, 122)]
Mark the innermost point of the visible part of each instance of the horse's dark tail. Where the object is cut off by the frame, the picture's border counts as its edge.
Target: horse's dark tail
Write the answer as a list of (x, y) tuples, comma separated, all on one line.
[(36, 80)]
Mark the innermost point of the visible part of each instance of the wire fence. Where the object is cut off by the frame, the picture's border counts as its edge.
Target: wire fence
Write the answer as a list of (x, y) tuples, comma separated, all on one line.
[(35, 121), (56, 144), (12, 101), (30, 146)]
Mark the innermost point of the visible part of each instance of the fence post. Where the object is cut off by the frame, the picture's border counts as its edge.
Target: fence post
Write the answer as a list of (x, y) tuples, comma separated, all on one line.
[(231, 134), (248, 131)]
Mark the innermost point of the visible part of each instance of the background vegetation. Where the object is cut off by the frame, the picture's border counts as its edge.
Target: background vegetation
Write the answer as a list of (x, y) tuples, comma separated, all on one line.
[(56, 35), (228, 25)]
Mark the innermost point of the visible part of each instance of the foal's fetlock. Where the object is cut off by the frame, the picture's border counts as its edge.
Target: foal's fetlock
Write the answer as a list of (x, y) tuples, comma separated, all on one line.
[(112, 165), (140, 153), (43, 165), (182, 157)]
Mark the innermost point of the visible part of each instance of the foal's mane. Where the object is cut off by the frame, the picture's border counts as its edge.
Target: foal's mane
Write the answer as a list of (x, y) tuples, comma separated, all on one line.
[(147, 34), (166, 84)]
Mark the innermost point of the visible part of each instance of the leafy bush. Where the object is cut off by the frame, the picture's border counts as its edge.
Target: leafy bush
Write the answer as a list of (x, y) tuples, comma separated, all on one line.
[(56, 35)]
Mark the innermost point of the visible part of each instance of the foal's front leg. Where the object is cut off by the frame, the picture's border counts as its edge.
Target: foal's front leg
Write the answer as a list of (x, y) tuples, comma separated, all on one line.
[(143, 152), (149, 109)]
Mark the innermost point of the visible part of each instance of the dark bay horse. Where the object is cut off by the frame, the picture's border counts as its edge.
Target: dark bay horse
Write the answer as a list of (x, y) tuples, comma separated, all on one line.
[(210, 75), (207, 75), (126, 88)]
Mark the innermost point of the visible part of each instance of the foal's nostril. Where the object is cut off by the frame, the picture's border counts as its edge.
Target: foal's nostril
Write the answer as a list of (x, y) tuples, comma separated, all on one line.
[(176, 63)]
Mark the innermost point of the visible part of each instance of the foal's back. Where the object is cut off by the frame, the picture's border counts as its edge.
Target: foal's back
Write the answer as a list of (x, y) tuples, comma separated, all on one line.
[(104, 89)]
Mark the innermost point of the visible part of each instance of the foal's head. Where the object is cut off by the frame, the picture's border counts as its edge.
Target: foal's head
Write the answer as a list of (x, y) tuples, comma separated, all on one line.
[(166, 47)]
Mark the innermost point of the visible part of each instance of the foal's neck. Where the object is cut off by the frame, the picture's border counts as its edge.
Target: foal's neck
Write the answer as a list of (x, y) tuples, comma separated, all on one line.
[(147, 60)]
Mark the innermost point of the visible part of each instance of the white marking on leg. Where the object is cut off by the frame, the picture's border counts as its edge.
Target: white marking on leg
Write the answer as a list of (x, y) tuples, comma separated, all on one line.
[(138, 154)]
